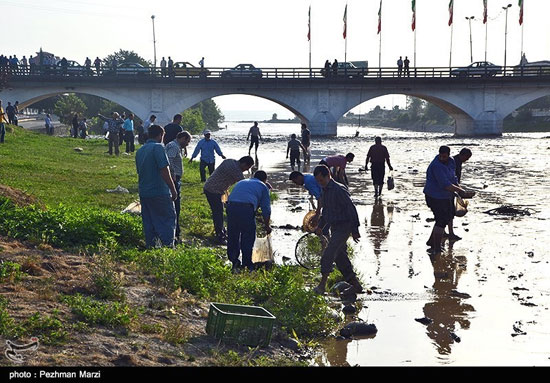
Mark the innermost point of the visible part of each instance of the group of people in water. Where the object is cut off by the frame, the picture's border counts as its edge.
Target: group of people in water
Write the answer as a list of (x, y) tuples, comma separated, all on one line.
[(160, 169)]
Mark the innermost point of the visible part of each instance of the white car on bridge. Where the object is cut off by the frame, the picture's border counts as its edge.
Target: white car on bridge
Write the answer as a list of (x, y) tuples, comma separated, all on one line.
[(242, 70), (477, 69)]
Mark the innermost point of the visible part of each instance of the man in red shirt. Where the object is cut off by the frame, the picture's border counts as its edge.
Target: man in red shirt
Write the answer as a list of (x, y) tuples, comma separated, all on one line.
[(377, 154)]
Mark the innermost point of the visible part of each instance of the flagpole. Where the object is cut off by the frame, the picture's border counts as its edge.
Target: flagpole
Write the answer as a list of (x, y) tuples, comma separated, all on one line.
[(486, 30), (309, 38), (380, 44), (451, 51)]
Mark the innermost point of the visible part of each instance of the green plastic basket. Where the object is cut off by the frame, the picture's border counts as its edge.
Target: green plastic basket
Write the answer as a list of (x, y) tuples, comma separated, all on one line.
[(246, 325)]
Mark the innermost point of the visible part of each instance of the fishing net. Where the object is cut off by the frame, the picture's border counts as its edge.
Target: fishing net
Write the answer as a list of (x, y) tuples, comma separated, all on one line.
[(309, 250)]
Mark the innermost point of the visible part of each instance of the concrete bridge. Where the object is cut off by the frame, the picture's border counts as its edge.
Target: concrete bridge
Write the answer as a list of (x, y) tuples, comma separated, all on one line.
[(478, 104)]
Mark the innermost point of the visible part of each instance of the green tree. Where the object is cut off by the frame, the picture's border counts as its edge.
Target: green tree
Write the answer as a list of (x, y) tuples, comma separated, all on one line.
[(434, 113), (415, 107), (211, 114), (192, 121), (67, 106), (126, 56)]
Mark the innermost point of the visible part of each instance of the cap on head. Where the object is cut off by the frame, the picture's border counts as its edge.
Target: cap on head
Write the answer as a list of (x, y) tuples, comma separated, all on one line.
[(206, 132)]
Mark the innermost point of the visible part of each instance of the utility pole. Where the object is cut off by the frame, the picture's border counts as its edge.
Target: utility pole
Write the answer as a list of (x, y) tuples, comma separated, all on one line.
[(154, 43), (506, 35), (471, 49)]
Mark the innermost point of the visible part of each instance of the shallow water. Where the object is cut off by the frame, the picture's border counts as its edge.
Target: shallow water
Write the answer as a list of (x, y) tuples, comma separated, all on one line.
[(487, 294)]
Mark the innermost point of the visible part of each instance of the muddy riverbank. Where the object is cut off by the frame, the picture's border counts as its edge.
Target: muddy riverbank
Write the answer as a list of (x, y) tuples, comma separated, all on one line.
[(485, 300)]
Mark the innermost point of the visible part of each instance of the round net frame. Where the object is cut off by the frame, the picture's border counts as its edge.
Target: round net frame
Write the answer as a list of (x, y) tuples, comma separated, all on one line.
[(309, 249)]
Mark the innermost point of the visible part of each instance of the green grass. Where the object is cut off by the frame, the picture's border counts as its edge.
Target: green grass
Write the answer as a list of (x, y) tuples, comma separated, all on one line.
[(95, 312), (10, 271), (80, 214)]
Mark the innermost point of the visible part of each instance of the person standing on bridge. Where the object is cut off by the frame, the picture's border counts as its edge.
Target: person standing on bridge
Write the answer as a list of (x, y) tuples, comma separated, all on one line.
[(97, 64), (113, 126), (327, 69), (254, 135), (207, 147), (88, 66), (163, 67), (407, 62), (399, 66), (171, 72), (157, 191), (201, 63), (335, 68), (378, 154)]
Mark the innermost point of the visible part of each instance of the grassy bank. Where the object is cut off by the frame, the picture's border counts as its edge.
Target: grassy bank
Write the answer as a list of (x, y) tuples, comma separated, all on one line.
[(76, 214)]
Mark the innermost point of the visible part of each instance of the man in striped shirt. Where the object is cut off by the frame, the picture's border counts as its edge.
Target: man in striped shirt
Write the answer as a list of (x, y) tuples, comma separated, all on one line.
[(228, 173), (340, 213), (113, 127), (175, 151)]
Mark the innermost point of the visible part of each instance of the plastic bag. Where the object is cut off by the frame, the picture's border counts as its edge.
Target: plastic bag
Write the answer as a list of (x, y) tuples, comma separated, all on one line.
[(461, 207), (263, 250), (391, 183)]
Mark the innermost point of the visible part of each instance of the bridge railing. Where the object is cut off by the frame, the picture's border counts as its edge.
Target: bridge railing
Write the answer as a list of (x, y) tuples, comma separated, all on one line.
[(49, 71)]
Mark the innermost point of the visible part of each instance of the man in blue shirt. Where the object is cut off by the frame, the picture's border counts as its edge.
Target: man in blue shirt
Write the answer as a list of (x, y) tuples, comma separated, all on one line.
[(308, 182), (441, 184), (157, 192), (244, 200), (128, 127), (207, 147)]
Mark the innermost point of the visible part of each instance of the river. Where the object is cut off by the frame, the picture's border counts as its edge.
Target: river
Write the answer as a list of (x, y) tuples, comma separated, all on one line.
[(487, 295)]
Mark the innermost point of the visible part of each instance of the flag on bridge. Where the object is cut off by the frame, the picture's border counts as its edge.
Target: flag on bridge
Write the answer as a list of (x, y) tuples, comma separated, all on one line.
[(309, 24), (484, 11), (451, 6), (345, 21), (520, 3), (414, 15), (380, 17)]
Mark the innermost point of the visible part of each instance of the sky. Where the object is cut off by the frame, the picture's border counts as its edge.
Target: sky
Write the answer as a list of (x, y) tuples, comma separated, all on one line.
[(271, 34)]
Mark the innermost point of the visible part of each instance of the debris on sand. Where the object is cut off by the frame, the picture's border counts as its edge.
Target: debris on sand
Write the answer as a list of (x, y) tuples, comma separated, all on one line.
[(455, 337), (78, 149), (425, 321), (517, 329), (509, 210), (340, 286), (359, 329), (118, 189)]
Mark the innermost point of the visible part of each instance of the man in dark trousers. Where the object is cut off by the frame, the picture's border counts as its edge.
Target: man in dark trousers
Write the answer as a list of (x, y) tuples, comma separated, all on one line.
[(157, 191), (340, 213), (175, 151), (245, 198), (228, 173), (459, 159), (172, 129), (306, 141), (207, 148), (254, 135), (407, 62), (378, 155), (294, 147), (441, 184)]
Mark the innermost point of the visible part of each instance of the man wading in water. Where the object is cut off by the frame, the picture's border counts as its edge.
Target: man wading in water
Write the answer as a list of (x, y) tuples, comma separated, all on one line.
[(294, 147), (377, 154), (254, 135), (441, 184), (340, 213)]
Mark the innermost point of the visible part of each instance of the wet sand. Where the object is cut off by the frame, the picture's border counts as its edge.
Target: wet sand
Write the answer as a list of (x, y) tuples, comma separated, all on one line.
[(486, 296)]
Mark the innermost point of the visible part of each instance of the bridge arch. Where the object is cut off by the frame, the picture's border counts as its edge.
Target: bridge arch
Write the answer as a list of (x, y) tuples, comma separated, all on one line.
[(27, 100)]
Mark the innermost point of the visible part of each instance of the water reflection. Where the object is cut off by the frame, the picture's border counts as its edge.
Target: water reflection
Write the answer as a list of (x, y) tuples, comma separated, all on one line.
[(378, 231), (448, 310)]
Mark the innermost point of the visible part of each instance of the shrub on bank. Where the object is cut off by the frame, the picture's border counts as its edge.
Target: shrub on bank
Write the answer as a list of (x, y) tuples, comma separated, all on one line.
[(68, 227), (281, 290)]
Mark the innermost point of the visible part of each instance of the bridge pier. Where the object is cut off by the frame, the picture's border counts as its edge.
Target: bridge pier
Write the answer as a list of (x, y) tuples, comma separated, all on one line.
[(322, 124), (486, 124)]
